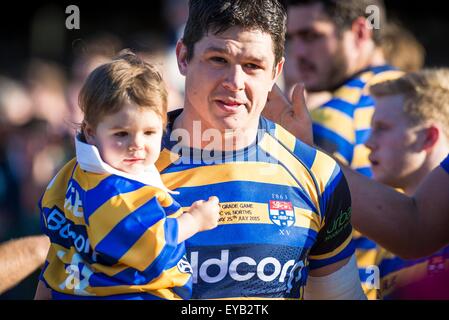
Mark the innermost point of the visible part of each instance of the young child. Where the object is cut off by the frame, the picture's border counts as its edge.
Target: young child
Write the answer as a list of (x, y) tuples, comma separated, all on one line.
[(115, 231)]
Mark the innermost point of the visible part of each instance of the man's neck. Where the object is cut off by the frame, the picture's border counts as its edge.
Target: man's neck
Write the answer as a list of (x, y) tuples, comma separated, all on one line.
[(198, 134)]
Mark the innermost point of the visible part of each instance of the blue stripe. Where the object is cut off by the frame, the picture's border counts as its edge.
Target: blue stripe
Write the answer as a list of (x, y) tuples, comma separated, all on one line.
[(105, 190), (132, 296), (361, 136), (347, 252), (244, 191), (169, 256), (365, 102), (324, 136), (329, 190), (305, 153), (355, 83), (445, 164), (123, 236), (364, 243), (366, 171), (240, 234), (340, 105)]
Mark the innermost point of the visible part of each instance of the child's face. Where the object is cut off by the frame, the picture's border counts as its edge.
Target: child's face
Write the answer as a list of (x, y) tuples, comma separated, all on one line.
[(129, 140)]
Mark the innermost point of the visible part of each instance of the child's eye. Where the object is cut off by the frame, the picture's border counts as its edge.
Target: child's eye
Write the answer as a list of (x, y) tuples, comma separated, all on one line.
[(121, 134), (149, 133)]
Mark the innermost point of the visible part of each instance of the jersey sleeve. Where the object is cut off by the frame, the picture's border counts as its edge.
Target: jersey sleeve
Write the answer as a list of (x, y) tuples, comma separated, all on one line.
[(445, 164), (135, 229), (334, 242)]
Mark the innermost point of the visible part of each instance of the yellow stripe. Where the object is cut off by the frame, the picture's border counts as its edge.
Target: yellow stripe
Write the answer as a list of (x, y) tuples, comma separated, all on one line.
[(233, 171), (384, 76), (349, 94), (88, 180), (371, 293), (336, 121), (365, 258), (165, 159), (285, 137), (147, 248), (360, 159), (268, 144), (340, 158), (334, 252), (105, 218), (362, 118), (323, 167)]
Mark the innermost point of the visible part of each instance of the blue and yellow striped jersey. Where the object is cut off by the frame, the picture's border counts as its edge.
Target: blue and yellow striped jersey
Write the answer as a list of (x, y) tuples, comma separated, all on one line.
[(285, 209), (445, 164), (425, 278), (342, 125), (112, 238)]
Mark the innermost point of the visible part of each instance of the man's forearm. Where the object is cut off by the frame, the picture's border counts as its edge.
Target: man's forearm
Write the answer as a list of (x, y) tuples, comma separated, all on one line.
[(394, 220), (19, 258)]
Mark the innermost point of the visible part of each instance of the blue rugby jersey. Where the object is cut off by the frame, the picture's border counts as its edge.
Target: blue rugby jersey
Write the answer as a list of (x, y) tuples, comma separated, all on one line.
[(445, 164), (285, 209), (341, 127), (112, 237)]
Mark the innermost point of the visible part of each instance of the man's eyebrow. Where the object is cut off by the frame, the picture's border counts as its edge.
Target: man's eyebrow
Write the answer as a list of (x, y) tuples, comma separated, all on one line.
[(212, 49)]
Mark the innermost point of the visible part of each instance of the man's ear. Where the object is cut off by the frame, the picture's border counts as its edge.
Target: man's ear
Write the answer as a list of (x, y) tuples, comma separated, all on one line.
[(278, 70), (181, 55), (89, 134), (430, 137), (361, 31)]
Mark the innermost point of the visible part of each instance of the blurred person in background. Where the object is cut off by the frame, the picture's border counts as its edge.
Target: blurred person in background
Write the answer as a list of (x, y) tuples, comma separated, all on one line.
[(153, 49), (333, 47), (88, 54), (410, 138)]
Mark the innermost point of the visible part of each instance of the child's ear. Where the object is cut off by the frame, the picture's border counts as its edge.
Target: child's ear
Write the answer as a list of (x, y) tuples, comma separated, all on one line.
[(89, 134)]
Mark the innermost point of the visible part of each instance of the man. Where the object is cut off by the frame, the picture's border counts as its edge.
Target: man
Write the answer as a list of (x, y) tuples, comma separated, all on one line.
[(410, 227), (409, 139), (285, 206), (333, 44)]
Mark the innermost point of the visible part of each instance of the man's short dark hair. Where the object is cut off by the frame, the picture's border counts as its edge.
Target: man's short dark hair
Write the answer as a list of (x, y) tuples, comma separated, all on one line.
[(344, 12), (217, 16)]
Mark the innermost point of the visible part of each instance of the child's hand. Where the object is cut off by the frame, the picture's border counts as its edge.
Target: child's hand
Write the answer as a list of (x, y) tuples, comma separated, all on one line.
[(206, 213)]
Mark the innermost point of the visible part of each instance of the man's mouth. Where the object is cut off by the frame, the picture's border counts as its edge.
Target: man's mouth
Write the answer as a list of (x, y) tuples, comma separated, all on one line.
[(230, 106)]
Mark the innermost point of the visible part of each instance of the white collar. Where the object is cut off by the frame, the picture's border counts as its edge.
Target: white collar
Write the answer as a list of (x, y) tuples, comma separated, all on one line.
[(90, 160)]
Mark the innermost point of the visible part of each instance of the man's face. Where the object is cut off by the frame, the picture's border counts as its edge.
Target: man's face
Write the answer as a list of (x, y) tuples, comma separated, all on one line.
[(228, 78), (396, 154), (316, 47)]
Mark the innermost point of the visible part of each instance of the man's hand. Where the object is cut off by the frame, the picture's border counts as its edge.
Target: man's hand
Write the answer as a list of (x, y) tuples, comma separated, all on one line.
[(294, 116)]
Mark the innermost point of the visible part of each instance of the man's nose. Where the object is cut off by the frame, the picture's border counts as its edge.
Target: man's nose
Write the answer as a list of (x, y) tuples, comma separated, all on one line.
[(235, 78)]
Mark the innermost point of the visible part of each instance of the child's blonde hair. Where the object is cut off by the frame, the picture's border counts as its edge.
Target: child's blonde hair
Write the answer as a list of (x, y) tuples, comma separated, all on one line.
[(126, 79), (425, 92)]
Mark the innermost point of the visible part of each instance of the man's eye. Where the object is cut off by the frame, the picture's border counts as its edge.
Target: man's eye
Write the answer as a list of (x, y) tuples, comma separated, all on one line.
[(218, 60), (252, 66), (121, 134)]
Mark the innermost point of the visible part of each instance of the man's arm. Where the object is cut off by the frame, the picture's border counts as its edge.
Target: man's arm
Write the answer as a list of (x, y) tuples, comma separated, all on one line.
[(409, 227), (19, 258)]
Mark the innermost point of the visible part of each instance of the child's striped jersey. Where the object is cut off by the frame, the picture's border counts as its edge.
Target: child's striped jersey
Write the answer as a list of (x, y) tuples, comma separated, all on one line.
[(112, 236)]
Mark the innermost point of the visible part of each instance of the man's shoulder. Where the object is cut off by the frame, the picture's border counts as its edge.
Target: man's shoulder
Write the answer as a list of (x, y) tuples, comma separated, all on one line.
[(310, 157)]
